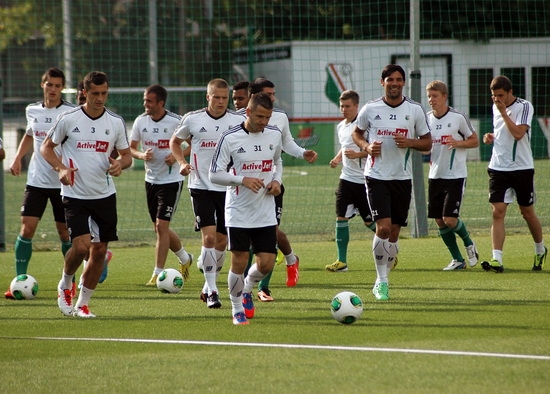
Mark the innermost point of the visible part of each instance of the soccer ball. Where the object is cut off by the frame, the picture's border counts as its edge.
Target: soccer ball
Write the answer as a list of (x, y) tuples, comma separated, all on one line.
[(24, 287), (346, 307), (170, 281)]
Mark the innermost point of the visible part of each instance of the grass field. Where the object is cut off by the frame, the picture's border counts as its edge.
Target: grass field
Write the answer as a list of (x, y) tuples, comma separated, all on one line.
[(308, 210), (441, 332)]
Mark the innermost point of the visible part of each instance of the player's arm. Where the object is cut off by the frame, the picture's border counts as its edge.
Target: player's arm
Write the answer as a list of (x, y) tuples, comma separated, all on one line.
[(358, 137), (117, 165), (47, 150), (137, 154), (175, 148), (336, 159), (422, 143), (274, 187), (471, 142), (517, 130), (24, 147)]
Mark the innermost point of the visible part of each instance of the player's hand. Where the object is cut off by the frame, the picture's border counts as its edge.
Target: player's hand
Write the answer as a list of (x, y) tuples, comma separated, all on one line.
[(254, 184), (375, 149), (148, 154), (334, 163), (185, 169), (15, 168), (66, 176), (115, 169), (488, 138), (169, 160), (310, 156), (352, 154), (401, 141), (273, 188)]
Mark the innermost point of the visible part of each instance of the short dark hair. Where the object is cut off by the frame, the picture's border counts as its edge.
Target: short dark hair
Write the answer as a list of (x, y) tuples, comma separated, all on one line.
[(350, 95), (501, 82), (53, 72), (80, 86), (96, 78), (241, 85), (258, 85), (391, 68), (260, 99), (159, 91)]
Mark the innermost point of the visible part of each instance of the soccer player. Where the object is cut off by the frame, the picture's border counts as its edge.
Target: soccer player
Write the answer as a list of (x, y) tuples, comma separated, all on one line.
[(201, 129), (240, 95), (351, 195), (452, 133), (163, 184), (87, 135), (80, 98), (387, 129), (42, 182), (511, 170), (280, 119), (248, 160)]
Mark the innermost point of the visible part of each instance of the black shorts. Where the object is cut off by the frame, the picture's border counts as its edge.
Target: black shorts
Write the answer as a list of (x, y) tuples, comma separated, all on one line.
[(505, 185), (445, 197), (209, 209), (261, 239), (351, 198), (35, 200), (95, 217), (162, 200), (279, 205), (389, 199)]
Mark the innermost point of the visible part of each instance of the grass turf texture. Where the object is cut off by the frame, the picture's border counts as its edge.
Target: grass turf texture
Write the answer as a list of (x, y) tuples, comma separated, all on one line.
[(464, 311)]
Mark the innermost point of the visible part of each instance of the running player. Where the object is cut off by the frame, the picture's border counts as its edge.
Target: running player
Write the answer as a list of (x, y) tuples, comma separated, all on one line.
[(201, 129), (351, 195), (88, 134), (163, 184), (280, 119), (42, 182), (452, 134), (387, 129), (248, 160)]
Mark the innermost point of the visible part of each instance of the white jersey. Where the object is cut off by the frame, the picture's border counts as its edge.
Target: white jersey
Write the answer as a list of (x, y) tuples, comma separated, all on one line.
[(448, 163), (242, 154), (279, 118), (156, 135), (381, 122), (205, 131), (352, 169), (509, 154), (39, 120), (86, 144)]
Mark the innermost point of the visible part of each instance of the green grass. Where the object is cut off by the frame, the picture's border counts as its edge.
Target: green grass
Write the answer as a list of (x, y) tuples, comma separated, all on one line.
[(308, 210), (467, 311)]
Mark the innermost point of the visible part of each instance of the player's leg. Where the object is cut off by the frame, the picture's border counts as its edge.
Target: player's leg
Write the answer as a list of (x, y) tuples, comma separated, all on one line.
[(239, 245), (102, 229), (264, 244)]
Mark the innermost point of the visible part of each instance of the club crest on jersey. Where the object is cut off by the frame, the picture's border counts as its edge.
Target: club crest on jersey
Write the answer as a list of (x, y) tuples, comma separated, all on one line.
[(208, 144), (107, 131), (255, 166), (92, 146)]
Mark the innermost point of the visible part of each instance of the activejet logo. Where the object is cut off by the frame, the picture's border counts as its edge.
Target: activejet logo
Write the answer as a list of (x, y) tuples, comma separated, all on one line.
[(391, 132), (208, 144), (92, 146), (255, 166), (164, 144)]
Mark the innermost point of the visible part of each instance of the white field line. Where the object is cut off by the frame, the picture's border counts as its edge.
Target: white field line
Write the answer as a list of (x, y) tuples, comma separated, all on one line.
[(295, 346)]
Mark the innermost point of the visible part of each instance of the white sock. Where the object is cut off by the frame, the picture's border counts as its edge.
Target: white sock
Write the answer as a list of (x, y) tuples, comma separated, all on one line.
[(393, 250), (66, 281), (290, 258), (497, 255), (235, 282), (539, 247), (209, 268), (157, 271), (253, 278), (84, 297), (220, 260), (182, 255), (380, 254)]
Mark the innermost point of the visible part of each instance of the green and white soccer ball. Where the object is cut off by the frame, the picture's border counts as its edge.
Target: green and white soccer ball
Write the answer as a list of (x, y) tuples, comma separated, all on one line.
[(24, 287), (170, 281), (346, 307)]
